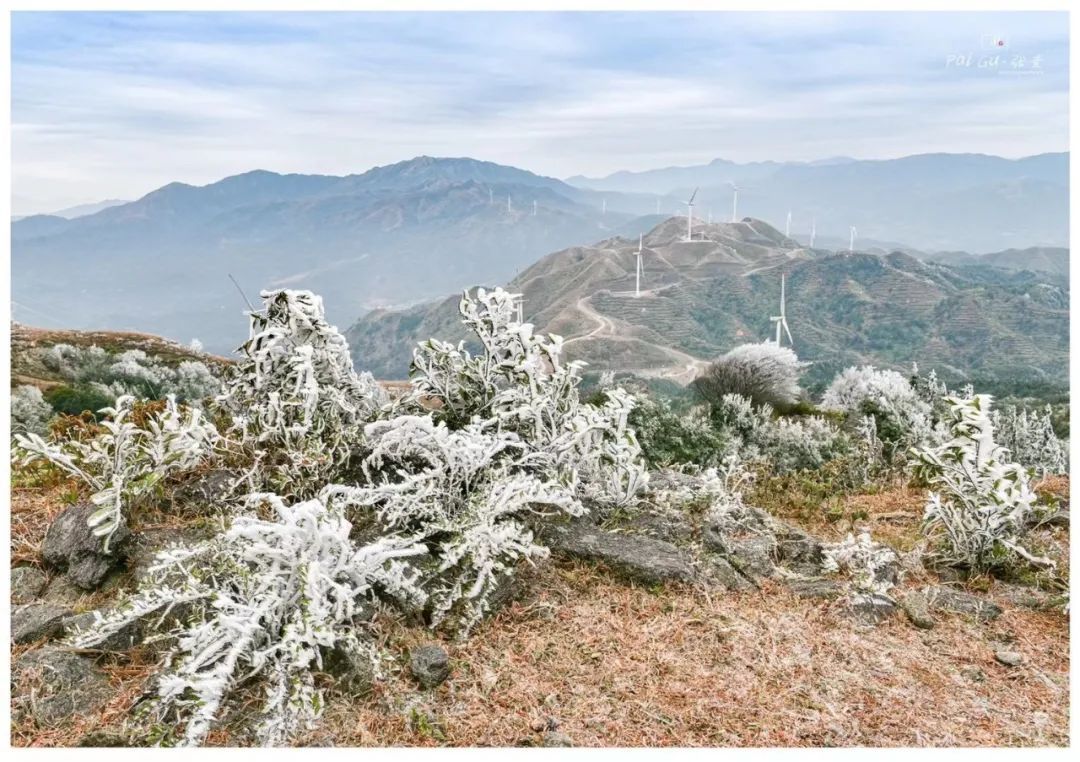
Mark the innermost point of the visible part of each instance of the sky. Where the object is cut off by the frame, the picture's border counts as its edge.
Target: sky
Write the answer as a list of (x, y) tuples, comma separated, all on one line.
[(114, 105)]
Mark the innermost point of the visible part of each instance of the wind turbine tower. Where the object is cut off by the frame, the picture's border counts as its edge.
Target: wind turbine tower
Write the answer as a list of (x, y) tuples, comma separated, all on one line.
[(851, 242), (734, 202), (787, 228), (491, 196), (781, 319), (509, 206), (637, 277), (690, 216), (534, 207), (813, 232), (603, 209)]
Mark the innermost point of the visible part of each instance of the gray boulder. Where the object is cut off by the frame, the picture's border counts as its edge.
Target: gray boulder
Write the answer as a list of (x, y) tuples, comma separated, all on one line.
[(27, 582), (126, 638), (751, 554), (871, 608), (35, 621), (917, 608), (797, 548), (71, 546), (1009, 658), (959, 602), (815, 588), (635, 557), (429, 664), (51, 685)]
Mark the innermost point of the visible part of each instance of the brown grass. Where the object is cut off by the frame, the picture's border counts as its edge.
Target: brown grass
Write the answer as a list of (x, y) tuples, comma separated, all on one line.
[(613, 665)]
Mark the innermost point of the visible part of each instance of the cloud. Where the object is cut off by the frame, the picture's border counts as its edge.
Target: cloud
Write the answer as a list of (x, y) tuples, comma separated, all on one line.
[(117, 104)]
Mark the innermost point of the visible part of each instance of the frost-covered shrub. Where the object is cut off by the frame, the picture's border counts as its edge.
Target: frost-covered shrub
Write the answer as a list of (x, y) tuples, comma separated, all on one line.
[(980, 503), (799, 444), (267, 599), (901, 417), (30, 413), (1030, 439), (864, 563), (125, 460), (763, 373), (94, 371), (294, 398), (669, 437), (520, 383), (467, 492)]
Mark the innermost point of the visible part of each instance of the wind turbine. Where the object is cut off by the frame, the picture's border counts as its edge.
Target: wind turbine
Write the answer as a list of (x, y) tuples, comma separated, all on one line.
[(491, 196), (851, 243), (603, 209), (637, 278), (534, 207), (813, 232), (519, 301), (509, 206), (781, 319), (787, 228), (735, 202), (690, 215)]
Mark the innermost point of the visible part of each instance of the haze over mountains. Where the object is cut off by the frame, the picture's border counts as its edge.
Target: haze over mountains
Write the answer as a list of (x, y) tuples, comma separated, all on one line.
[(972, 202), (702, 297), (424, 228)]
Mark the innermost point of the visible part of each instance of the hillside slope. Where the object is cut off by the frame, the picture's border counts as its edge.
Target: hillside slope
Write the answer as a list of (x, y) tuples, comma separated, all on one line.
[(701, 298)]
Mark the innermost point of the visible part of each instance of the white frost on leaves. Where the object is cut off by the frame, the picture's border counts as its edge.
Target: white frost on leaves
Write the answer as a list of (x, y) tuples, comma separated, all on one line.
[(269, 597), (125, 461), (294, 397), (1029, 437), (980, 503)]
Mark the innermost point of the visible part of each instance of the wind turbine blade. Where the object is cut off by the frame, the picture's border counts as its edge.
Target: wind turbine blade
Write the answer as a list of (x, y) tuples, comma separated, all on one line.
[(693, 196), (787, 331)]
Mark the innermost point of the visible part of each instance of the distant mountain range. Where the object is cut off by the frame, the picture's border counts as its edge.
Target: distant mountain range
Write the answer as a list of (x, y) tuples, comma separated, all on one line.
[(970, 202), (393, 235), (82, 210), (702, 297), (414, 231)]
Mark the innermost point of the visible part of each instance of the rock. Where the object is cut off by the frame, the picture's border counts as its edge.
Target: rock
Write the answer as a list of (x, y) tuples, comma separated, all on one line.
[(1059, 518), (815, 588), (666, 525), (555, 739), (871, 608), (917, 608), (124, 639), (27, 582), (635, 557), (798, 549), (720, 572), (752, 555), (146, 544), (51, 685), (353, 671), (973, 673), (34, 621), (429, 664), (1027, 598), (960, 602), (206, 490), (61, 591), (1009, 658), (71, 546)]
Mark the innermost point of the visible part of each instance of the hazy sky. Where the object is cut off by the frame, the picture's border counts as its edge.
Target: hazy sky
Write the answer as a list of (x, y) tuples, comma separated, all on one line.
[(114, 105)]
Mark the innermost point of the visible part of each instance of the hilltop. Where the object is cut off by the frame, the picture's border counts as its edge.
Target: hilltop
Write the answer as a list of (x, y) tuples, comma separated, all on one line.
[(701, 298)]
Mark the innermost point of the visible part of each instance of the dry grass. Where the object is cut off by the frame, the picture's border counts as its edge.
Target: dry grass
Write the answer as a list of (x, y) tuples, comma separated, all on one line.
[(618, 666), (613, 665)]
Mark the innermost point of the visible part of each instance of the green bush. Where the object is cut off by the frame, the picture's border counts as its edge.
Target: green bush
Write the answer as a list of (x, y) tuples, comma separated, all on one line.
[(74, 400)]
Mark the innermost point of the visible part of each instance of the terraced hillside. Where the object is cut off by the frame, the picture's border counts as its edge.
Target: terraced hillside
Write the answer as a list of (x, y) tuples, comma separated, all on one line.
[(701, 297)]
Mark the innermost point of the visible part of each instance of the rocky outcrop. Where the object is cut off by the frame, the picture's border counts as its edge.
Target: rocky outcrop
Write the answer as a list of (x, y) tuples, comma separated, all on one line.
[(52, 685), (638, 558), (429, 665), (70, 546)]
